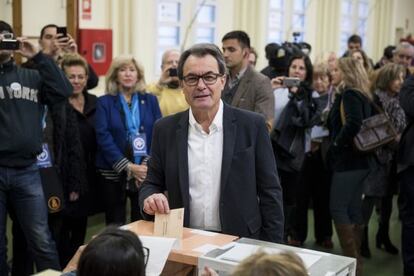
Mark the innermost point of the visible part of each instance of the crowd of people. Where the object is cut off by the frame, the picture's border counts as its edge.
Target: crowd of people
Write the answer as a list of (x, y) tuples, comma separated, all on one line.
[(244, 152)]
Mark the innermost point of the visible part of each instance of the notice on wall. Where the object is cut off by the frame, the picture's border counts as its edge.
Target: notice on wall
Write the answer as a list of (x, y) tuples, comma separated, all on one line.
[(86, 9)]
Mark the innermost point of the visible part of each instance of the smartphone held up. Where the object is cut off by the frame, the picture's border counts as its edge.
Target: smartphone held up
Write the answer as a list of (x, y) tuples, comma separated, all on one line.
[(63, 31)]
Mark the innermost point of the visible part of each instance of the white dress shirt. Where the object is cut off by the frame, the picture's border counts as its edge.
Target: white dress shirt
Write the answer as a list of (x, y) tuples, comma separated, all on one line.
[(205, 152)]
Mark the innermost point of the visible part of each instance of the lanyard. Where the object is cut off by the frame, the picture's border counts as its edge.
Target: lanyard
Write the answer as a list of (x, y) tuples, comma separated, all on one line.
[(133, 122), (44, 117), (132, 116)]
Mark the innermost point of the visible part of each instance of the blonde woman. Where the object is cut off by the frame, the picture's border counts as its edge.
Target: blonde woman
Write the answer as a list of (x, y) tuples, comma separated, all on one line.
[(349, 166), (125, 117)]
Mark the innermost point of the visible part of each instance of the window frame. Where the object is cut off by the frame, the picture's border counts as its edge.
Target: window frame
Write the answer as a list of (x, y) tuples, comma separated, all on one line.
[(354, 17)]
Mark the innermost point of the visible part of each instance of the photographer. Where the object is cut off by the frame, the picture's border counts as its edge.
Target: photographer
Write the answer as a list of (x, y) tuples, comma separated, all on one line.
[(168, 90), (296, 112), (23, 94), (278, 57), (55, 42)]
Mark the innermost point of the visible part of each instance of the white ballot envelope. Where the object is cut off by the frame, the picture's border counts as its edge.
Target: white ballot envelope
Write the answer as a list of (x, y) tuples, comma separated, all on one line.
[(169, 225)]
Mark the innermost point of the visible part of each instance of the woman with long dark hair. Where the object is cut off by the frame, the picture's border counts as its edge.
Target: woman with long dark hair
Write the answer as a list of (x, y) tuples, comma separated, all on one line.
[(291, 133), (315, 179)]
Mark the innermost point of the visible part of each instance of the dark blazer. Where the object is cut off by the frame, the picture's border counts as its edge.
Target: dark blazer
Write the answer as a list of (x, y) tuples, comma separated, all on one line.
[(250, 197), (90, 203), (342, 156), (289, 133), (406, 148), (255, 93), (111, 130)]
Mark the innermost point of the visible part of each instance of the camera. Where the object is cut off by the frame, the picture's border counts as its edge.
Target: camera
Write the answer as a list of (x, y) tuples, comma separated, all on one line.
[(296, 36), (291, 82), (62, 30), (172, 72), (9, 44)]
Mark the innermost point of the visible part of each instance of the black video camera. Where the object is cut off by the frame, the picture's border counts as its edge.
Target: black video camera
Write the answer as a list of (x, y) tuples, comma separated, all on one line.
[(9, 44)]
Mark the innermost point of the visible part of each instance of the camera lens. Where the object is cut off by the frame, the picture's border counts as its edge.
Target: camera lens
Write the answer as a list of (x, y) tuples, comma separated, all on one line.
[(7, 35)]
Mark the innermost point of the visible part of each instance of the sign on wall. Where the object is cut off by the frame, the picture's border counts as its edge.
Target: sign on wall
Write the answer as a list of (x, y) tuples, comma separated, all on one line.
[(86, 9)]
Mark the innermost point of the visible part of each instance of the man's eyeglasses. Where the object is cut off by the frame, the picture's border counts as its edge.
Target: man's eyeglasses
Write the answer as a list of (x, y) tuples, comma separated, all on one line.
[(208, 79), (146, 255)]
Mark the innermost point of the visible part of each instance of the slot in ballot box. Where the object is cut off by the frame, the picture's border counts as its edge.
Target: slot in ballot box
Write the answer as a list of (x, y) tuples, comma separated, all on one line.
[(192, 239), (318, 263)]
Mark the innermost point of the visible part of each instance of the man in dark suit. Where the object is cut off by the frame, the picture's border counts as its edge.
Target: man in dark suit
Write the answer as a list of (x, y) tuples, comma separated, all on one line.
[(214, 160), (245, 88)]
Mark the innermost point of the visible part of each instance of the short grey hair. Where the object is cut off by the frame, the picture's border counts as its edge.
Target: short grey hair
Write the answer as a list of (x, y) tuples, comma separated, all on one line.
[(202, 50), (404, 45), (166, 53)]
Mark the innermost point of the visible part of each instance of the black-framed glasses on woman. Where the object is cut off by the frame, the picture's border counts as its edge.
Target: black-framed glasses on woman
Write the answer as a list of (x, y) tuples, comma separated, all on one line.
[(146, 254), (208, 79)]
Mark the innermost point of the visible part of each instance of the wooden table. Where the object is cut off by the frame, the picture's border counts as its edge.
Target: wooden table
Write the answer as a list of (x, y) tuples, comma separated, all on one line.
[(184, 254), (181, 261)]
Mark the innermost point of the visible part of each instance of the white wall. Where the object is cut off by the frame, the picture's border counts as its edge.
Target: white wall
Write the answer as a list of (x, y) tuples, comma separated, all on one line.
[(100, 16), (144, 31), (36, 14), (6, 10), (403, 17), (134, 25)]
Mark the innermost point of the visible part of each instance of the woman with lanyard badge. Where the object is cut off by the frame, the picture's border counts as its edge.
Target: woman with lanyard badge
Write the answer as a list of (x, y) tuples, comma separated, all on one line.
[(124, 121)]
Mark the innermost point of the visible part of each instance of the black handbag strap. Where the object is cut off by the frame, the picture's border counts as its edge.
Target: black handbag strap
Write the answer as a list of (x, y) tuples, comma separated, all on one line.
[(377, 107), (372, 102)]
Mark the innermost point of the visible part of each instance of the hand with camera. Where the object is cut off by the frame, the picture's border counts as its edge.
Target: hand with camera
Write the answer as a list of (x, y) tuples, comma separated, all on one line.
[(292, 84), (277, 82), (61, 42), (26, 48), (67, 44), (168, 75)]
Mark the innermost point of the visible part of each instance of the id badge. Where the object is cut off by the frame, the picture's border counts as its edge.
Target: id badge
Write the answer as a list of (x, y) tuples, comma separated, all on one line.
[(139, 144), (44, 160)]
